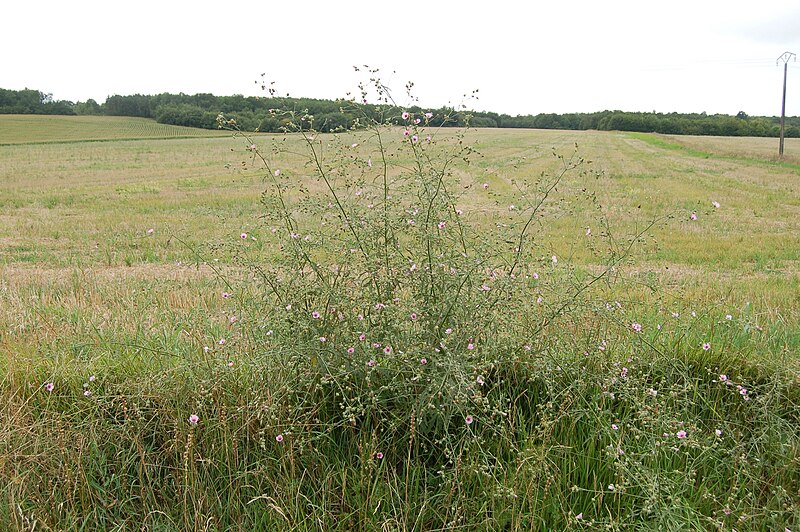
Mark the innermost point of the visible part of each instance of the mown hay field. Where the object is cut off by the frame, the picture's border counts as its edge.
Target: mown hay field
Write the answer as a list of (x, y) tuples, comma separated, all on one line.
[(86, 208), (151, 380)]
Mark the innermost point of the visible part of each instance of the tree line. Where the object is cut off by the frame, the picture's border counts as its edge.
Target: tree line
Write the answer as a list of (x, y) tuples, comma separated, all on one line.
[(271, 114)]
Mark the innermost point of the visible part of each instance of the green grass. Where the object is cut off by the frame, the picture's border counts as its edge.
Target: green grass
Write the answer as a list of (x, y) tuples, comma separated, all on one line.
[(687, 145), (93, 300), (33, 129)]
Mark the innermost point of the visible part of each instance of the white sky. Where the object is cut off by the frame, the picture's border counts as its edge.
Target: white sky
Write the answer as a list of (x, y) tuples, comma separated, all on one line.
[(525, 57)]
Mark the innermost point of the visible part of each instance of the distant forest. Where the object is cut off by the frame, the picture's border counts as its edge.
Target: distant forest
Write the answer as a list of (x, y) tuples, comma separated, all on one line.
[(268, 114)]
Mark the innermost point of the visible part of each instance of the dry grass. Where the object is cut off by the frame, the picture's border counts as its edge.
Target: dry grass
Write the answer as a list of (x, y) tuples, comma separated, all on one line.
[(78, 215)]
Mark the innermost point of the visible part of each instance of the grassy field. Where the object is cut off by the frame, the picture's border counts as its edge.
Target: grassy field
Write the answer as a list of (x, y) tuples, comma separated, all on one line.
[(32, 129), (114, 256)]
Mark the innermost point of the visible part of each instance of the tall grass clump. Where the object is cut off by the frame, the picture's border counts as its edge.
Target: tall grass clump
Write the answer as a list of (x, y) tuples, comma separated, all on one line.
[(393, 354)]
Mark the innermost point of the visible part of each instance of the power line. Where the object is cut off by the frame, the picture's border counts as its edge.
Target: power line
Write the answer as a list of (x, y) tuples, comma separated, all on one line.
[(710, 63)]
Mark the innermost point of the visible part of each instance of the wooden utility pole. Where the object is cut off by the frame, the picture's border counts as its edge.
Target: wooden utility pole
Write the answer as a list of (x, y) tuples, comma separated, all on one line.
[(785, 57)]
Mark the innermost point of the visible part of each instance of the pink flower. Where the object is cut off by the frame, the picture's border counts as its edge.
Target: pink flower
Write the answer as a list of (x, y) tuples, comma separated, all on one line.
[(244, 236), (351, 350), (362, 337), (470, 346), (233, 319), (417, 120), (448, 331), (480, 380), (323, 339), (49, 386), (485, 186), (693, 216), (406, 133), (226, 295), (614, 426), (87, 393), (413, 316), (414, 138), (536, 276), (379, 455), (681, 434), (371, 363), (718, 432), (387, 350), (579, 516), (315, 315), (428, 115), (279, 438), (221, 341), (469, 420), (441, 225), (636, 327), (151, 231), (706, 346), (405, 115), (423, 361), (554, 259), (723, 377), (277, 173), (193, 419), (715, 204)]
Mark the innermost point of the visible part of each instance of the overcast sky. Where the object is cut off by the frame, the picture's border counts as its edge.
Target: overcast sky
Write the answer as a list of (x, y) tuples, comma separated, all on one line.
[(525, 57)]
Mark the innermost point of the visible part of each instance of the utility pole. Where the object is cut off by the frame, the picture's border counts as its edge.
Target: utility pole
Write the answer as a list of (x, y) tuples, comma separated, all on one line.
[(785, 57)]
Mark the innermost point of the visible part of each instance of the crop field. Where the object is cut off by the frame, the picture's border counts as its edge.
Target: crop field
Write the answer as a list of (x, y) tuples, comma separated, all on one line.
[(138, 287)]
